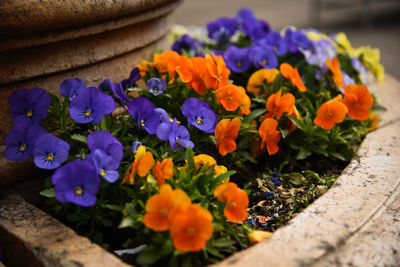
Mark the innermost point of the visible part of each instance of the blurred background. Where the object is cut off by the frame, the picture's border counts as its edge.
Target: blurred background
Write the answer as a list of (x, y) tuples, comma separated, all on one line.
[(366, 22)]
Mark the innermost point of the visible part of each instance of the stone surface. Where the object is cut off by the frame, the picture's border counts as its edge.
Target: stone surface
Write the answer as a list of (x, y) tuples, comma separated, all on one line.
[(45, 42), (356, 223), (29, 234)]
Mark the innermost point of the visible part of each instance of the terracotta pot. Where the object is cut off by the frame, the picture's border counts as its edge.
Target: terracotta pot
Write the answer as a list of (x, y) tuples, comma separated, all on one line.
[(44, 42), (356, 223)]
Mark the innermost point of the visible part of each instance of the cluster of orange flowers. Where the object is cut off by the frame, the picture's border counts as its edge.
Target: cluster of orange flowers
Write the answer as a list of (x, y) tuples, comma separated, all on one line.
[(277, 104), (356, 103), (189, 225), (142, 165), (201, 74), (236, 201)]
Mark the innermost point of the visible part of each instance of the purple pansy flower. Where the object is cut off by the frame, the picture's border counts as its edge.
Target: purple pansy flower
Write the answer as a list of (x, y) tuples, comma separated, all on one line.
[(20, 142), (156, 86), (107, 143), (347, 80), (295, 39), (72, 87), (50, 152), (117, 89), (29, 105), (318, 52), (237, 59), (362, 71), (178, 136), (199, 114), (91, 105), (275, 40), (105, 165), (188, 44), (250, 26), (142, 110), (162, 114), (135, 146), (222, 29), (263, 57), (133, 77), (76, 182)]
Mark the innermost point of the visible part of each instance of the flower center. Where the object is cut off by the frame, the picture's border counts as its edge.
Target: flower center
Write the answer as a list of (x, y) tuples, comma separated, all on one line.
[(329, 114), (22, 147), (29, 113), (264, 62), (190, 230), (155, 90), (199, 120), (142, 123), (102, 172), (164, 211), (88, 112), (239, 64), (78, 190), (50, 156)]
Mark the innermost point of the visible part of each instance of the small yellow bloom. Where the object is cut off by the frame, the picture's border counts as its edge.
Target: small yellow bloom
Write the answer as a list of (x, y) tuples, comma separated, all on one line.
[(257, 236)]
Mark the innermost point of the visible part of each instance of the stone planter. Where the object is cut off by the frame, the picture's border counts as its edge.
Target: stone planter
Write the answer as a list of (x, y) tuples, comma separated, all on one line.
[(44, 41), (356, 223)]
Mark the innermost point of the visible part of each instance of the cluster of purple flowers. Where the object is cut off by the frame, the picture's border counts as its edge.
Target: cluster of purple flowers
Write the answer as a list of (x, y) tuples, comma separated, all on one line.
[(266, 44), (78, 181)]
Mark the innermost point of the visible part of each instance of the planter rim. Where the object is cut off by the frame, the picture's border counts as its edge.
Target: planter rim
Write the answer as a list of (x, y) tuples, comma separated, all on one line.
[(31, 17)]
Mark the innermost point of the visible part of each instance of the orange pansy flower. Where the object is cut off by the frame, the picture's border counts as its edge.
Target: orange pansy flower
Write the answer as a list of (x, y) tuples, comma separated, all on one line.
[(163, 170), (141, 165), (331, 112), (293, 75), (160, 205), (166, 62), (191, 227), (230, 97), (223, 191), (277, 104), (217, 72), (236, 200), (270, 136), (258, 77), (335, 69), (143, 67), (203, 159), (358, 100), (226, 133), (184, 67), (246, 103), (199, 70)]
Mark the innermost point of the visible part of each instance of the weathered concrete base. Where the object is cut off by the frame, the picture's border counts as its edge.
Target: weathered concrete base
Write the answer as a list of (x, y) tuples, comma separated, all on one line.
[(357, 222), (30, 237)]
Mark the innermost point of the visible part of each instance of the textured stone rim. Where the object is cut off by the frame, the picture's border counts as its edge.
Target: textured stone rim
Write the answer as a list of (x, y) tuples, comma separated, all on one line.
[(355, 223)]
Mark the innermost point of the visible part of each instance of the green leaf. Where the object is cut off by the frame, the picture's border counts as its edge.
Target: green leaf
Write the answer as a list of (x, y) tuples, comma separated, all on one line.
[(79, 138), (112, 207), (254, 114), (48, 192), (222, 242), (190, 158), (298, 123), (106, 222), (218, 180), (149, 255)]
